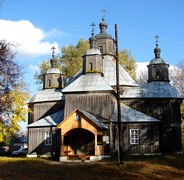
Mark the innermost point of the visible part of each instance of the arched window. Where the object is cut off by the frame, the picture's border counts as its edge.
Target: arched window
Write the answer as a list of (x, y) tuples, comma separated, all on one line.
[(101, 49), (90, 66), (49, 82), (158, 75)]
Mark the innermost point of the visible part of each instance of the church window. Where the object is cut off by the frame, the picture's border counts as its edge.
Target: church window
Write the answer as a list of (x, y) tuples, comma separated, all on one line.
[(49, 82), (134, 136), (99, 139), (48, 138), (158, 75), (90, 66), (101, 49)]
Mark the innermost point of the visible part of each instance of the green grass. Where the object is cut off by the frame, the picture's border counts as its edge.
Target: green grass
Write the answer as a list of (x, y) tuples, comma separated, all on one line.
[(139, 167), (168, 166)]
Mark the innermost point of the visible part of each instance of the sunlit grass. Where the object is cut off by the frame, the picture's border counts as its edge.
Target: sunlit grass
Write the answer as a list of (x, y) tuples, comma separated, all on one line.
[(168, 166), (139, 167)]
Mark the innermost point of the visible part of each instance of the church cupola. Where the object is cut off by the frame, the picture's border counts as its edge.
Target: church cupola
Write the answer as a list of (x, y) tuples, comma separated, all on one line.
[(158, 70), (53, 77), (92, 60), (103, 26), (104, 42)]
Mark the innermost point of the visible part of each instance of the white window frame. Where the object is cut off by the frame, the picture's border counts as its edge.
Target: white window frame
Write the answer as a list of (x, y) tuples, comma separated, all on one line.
[(134, 136), (48, 138)]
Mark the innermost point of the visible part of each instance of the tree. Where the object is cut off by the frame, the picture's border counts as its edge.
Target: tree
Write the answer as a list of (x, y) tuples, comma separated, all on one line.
[(43, 67), (12, 92), (177, 79), (71, 61), (72, 58), (143, 76), (128, 62), (69, 64)]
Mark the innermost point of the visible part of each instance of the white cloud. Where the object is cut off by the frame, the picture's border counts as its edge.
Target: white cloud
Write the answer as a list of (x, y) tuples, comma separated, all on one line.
[(31, 40), (34, 68), (141, 68)]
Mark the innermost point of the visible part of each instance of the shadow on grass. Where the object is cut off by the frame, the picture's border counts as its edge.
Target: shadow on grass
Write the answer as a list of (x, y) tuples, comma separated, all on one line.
[(139, 167)]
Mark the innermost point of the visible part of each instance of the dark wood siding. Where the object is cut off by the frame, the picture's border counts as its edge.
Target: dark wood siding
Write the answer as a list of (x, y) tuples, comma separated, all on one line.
[(98, 104), (168, 112), (36, 141), (43, 109), (148, 138)]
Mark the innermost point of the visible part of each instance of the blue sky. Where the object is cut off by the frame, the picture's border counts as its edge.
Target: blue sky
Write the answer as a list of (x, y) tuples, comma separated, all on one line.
[(37, 25)]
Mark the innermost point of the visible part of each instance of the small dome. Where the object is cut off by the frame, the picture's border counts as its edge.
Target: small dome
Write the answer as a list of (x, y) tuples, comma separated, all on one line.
[(103, 24), (157, 61), (93, 52), (103, 36), (53, 71)]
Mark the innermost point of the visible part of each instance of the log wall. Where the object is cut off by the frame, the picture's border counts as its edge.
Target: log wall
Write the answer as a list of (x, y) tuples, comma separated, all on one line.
[(98, 104)]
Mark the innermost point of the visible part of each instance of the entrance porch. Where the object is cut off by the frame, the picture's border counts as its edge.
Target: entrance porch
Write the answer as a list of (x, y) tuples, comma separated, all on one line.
[(81, 137)]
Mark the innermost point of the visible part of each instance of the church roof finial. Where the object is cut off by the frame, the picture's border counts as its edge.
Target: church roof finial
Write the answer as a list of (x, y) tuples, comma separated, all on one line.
[(53, 48), (93, 28), (92, 39), (103, 14), (157, 50), (53, 60), (103, 24)]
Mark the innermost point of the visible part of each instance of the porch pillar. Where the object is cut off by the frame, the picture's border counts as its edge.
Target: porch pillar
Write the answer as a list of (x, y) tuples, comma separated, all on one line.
[(111, 137), (96, 149), (62, 146)]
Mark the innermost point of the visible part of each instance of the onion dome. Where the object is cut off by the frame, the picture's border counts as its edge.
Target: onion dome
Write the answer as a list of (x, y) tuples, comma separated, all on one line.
[(157, 68), (157, 51)]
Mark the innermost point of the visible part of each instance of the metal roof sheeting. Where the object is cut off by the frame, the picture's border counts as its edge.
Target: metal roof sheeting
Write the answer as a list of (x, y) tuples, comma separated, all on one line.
[(157, 61), (88, 82), (51, 120), (154, 89), (129, 114), (53, 71), (94, 119), (47, 95), (109, 71)]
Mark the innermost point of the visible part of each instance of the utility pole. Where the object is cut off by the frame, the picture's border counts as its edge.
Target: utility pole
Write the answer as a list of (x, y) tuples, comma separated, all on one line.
[(118, 98)]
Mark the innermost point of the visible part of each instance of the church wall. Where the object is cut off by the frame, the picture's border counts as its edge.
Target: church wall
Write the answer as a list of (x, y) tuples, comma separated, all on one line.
[(107, 44), (148, 138), (37, 144), (53, 81), (168, 112), (100, 104), (43, 109)]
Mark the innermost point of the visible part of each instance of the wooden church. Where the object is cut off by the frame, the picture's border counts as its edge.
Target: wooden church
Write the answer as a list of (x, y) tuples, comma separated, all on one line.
[(80, 119)]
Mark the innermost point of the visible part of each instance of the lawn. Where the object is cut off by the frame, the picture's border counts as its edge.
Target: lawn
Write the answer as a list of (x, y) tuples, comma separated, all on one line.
[(168, 166), (139, 167)]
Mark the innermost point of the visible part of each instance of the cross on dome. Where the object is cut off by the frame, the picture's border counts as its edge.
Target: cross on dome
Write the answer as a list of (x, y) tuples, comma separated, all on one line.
[(156, 37), (103, 13), (53, 48), (93, 28)]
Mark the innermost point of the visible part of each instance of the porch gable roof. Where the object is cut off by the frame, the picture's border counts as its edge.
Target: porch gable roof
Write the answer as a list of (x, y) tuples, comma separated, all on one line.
[(86, 115)]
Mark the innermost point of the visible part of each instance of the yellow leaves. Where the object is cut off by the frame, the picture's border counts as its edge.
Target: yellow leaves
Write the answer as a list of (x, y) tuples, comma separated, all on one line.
[(128, 62), (15, 111)]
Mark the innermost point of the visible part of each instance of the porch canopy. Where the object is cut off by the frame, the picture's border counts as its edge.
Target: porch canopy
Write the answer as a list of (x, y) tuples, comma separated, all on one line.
[(81, 134)]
